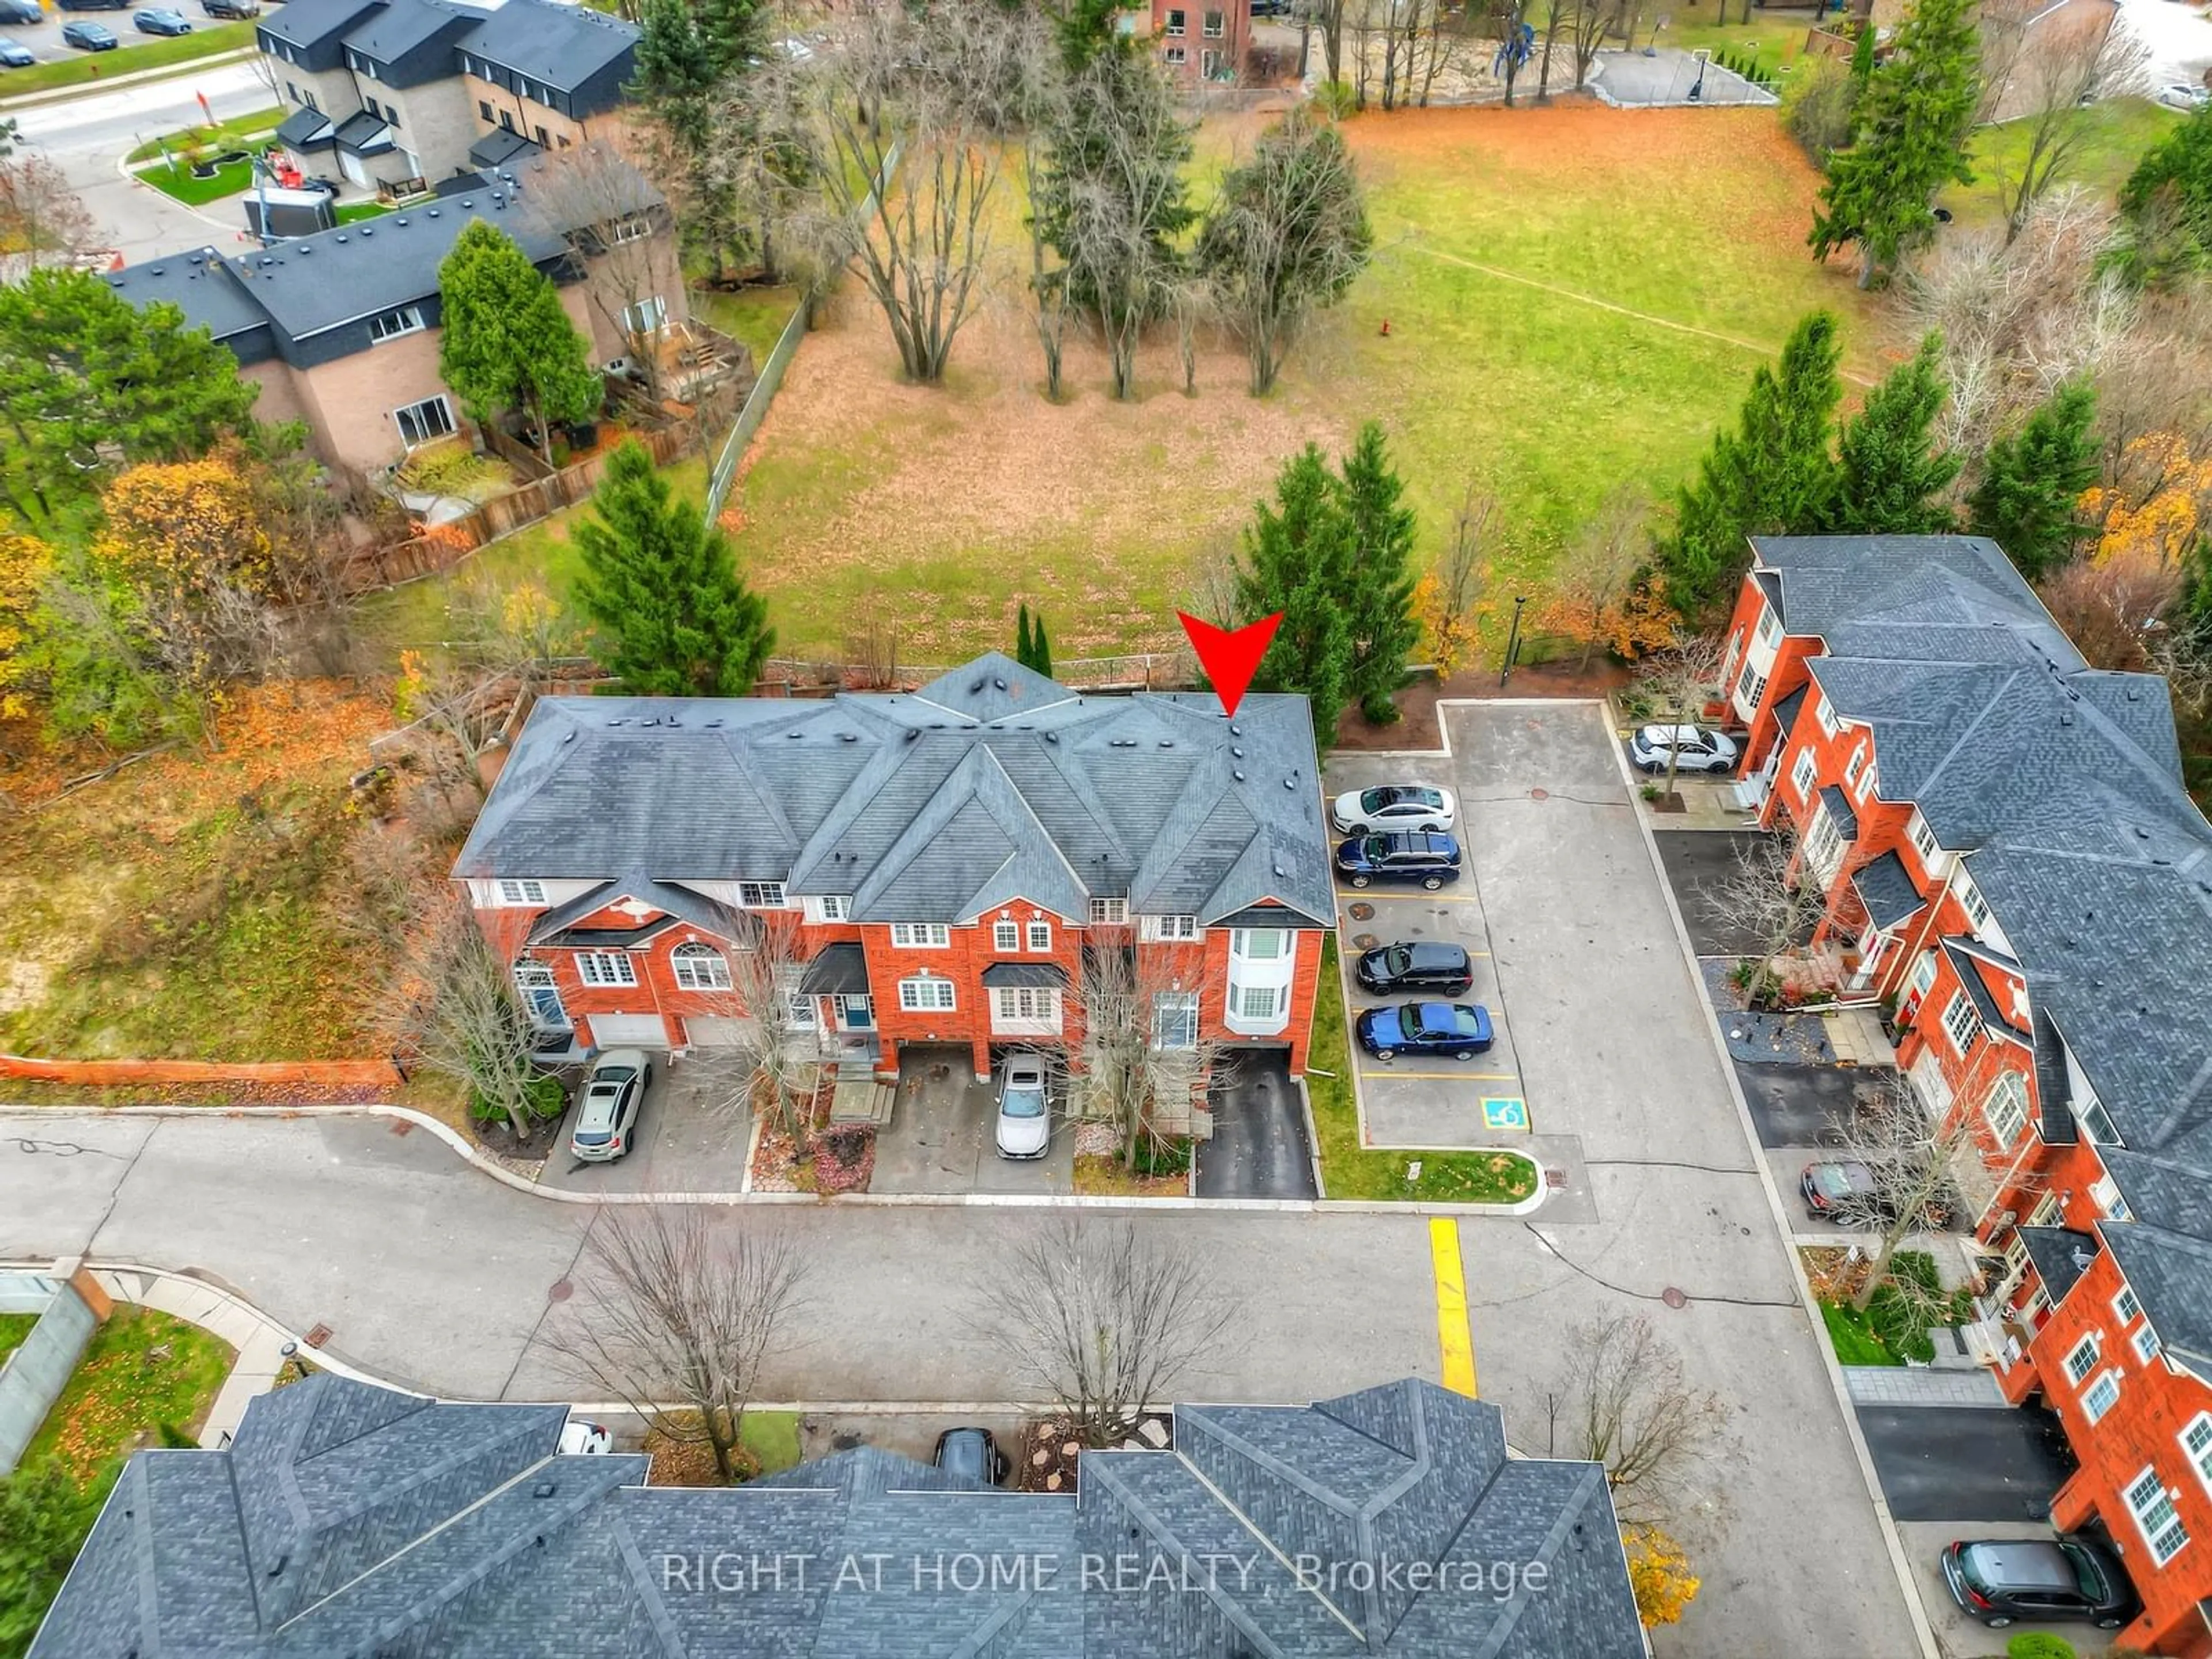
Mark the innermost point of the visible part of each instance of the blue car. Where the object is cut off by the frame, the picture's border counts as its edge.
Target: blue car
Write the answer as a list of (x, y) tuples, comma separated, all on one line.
[(89, 37), (16, 55), (162, 20), (1460, 1029), (1399, 856)]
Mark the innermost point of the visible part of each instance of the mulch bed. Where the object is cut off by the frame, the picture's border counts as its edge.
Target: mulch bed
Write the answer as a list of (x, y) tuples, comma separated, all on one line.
[(498, 1138), (1048, 1459), (844, 1158), (1418, 726)]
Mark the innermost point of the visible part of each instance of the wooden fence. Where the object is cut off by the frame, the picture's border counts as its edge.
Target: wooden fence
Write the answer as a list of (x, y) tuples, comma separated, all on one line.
[(443, 545)]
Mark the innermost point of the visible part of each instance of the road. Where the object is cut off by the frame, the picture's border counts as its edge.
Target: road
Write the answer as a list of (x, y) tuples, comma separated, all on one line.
[(2179, 39), (88, 137)]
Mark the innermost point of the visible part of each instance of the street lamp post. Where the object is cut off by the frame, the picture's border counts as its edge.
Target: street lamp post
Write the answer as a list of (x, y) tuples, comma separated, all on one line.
[(1512, 641)]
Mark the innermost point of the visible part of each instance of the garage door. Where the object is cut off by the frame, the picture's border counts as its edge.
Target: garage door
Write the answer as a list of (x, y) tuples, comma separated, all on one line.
[(628, 1031), (715, 1030)]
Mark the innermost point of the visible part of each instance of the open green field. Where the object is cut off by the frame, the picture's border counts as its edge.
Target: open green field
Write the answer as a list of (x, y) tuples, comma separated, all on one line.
[(1574, 297), (81, 69)]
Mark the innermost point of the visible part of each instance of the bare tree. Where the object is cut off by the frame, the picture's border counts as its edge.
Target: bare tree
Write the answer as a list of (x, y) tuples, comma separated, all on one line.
[(776, 1058), (895, 130), (1684, 675), (1766, 900), (42, 221), (1144, 1058), (1621, 1399), (1449, 595), (458, 1016), (2041, 67), (1047, 290), (624, 238), (1102, 1318), (1593, 21), (691, 1305), (2114, 610)]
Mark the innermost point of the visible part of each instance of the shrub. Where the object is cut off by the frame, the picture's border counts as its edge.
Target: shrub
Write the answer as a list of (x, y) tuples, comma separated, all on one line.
[(546, 1099), (1817, 104), (2038, 1645), (1162, 1157), (1336, 99), (1897, 1317), (448, 468)]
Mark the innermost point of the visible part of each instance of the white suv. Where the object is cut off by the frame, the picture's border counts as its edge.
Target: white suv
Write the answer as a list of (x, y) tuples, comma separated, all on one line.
[(1692, 748)]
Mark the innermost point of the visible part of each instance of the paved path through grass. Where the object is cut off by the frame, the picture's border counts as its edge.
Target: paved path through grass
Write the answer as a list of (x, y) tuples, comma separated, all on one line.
[(1763, 350)]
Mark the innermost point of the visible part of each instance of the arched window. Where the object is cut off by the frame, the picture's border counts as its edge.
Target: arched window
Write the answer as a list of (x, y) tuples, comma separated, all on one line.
[(700, 968)]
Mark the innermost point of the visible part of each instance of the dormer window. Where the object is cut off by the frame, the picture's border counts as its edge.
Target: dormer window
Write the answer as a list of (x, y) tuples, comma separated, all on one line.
[(407, 319)]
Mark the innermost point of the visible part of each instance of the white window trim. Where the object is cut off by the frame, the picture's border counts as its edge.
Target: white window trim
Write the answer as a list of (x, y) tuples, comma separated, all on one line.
[(920, 935), (1176, 57), (411, 322), (1184, 1001), (1770, 626), (521, 892), (2098, 1390), (2145, 1344), (2011, 1087), (1825, 715), (2149, 1472), (940, 997), (1037, 936), (1804, 773), (443, 403), (1239, 938), (828, 907), (687, 960), (1170, 929), (2080, 1374), (2200, 1458), (1029, 1009), (633, 317), (1110, 912), (1971, 901), (2126, 1308), (1962, 1033), (607, 970), (765, 896), (1007, 937)]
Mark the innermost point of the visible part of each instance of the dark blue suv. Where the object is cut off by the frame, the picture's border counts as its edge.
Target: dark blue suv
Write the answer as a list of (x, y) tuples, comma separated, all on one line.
[(1401, 856)]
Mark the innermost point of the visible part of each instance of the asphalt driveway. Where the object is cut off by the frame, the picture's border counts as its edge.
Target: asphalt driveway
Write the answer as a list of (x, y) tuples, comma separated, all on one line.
[(1698, 861), (1798, 1105), (1258, 1148), (689, 1139), (943, 1138), (1966, 1464)]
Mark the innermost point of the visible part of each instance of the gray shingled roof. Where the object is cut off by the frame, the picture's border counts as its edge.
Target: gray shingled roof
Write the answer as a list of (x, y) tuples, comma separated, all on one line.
[(350, 1519), (2062, 786), (1884, 886), (559, 45), (2060, 1256), (991, 784), (398, 26)]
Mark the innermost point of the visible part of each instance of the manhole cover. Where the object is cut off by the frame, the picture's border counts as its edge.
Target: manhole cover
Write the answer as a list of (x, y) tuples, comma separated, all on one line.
[(1675, 1298), (401, 1126), (1555, 1179), (1364, 941), (562, 1291), (1362, 911), (318, 1336), (1539, 794)]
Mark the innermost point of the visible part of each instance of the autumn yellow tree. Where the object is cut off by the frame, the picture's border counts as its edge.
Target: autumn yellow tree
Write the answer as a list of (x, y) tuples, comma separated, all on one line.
[(1603, 598), (2160, 509), (1659, 1573), (1448, 601), (26, 563)]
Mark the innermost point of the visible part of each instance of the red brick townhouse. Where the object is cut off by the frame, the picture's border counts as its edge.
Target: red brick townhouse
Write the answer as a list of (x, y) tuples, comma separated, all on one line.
[(1202, 40), (2008, 853), (939, 860)]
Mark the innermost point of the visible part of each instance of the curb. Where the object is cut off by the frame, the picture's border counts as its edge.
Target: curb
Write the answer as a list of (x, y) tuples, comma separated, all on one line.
[(137, 77), (125, 170), (1914, 1607), (456, 1142)]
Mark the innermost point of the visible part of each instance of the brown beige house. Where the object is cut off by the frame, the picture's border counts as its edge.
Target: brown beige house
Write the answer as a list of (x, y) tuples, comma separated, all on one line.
[(341, 328)]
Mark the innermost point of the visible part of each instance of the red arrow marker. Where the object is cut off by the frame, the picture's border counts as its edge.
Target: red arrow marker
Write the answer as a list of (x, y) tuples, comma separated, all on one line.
[(1230, 658)]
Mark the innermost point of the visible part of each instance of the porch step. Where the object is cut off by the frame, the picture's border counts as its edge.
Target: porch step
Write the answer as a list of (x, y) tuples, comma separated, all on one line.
[(861, 1099)]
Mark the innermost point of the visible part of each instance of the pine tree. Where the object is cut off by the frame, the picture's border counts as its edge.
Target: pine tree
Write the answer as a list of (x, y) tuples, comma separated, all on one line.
[(1862, 62), (660, 584), (1912, 122), (1041, 649), (1378, 600), (1298, 559), (1024, 649), (44, 1519), (1770, 477), (1889, 469), (2028, 500), (506, 341)]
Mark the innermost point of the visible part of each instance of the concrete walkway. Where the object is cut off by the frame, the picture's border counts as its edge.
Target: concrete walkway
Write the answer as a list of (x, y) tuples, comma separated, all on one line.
[(1917, 1385)]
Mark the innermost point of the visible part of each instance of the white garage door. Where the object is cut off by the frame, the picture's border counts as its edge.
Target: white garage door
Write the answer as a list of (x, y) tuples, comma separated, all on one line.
[(715, 1030), (629, 1031)]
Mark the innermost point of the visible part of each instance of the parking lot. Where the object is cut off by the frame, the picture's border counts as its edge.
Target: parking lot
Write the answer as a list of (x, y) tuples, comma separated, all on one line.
[(44, 39)]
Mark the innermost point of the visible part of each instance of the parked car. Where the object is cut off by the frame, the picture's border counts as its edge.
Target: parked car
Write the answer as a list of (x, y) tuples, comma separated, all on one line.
[(1025, 1108), (1460, 1029), (89, 37), (972, 1453), (1393, 806), (1839, 1185), (1432, 860), (579, 1437), (231, 9), (606, 1121), (1441, 969), (1700, 749), (2184, 95), (21, 11), (2039, 1579), (161, 19), (93, 5), (1271, 8), (13, 54)]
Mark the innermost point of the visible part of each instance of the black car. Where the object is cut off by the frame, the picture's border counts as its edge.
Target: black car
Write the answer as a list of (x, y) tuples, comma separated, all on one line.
[(161, 19), (1459, 1030), (93, 5), (89, 37), (972, 1453), (21, 11), (234, 9), (1444, 969), (1430, 859), (2041, 1580)]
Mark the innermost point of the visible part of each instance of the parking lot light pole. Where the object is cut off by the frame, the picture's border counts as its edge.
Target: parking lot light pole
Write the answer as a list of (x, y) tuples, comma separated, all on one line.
[(1512, 641)]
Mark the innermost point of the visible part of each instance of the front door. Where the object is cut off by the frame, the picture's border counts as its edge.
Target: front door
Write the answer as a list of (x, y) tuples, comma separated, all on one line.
[(541, 997), (855, 1014)]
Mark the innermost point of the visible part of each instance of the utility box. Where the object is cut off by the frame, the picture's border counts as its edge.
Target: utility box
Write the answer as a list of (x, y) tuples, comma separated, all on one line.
[(273, 214)]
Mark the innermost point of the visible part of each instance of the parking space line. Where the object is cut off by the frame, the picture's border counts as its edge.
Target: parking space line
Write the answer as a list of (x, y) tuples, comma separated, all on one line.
[(1364, 894), (1455, 1336), (1377, 1069)]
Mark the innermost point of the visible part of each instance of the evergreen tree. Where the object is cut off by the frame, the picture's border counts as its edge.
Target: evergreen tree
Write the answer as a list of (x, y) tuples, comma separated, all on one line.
[(44, 1519), (1913, 121), (1379, 598), (1770, 477), (1023, 649), (86, 376), (1889, 470), (2168, 203), (660, 584), (1298, 559), (1041, 650), (506, 342), (2028, 500), (1862, 62)]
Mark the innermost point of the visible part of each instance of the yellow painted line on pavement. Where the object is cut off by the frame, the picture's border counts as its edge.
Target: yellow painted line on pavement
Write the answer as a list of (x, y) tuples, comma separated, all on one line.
[(1454, 1333), (1376, 1069)]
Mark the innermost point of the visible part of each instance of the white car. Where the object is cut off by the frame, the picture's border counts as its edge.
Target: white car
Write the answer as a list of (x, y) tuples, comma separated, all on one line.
[(1410, 806), (1025, 1108), (2185, 95), (578, 1437), (1690, 748), (606, 1122)]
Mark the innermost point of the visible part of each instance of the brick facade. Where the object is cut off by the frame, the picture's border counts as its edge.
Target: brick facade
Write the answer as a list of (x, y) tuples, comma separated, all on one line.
[(1199, 41)]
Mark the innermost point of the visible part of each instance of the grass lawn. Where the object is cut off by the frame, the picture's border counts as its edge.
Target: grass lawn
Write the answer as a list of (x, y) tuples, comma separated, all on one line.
[(81, 67), (754, 316), (222, 135), (1350, 1170), (353, 212), (1776, 41), (141, 1372), (14, 1328), (180, 183), (1102, 1175), (772, 1437), (2113, 136), (1852, 1333)]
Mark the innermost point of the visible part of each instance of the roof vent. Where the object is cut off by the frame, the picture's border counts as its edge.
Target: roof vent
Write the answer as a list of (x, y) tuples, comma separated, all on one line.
[(1052, 737), (161, 270), (2065, 717), (2134, 694), (568, 737), (1000, 683), (468, 201), (401, 221), (975, 685), (545, 1488), (619, 720), (304, 250), (842, 736), (366, 231), (1167, 743), (1235, 729), (1290, 782), (717, 720), (937, 725), (2141, 834), (912, 733), (342, 237), (1239, 776), (654, 720), (432, 212), (1235, 751), (1280, 871), (197, 258)]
